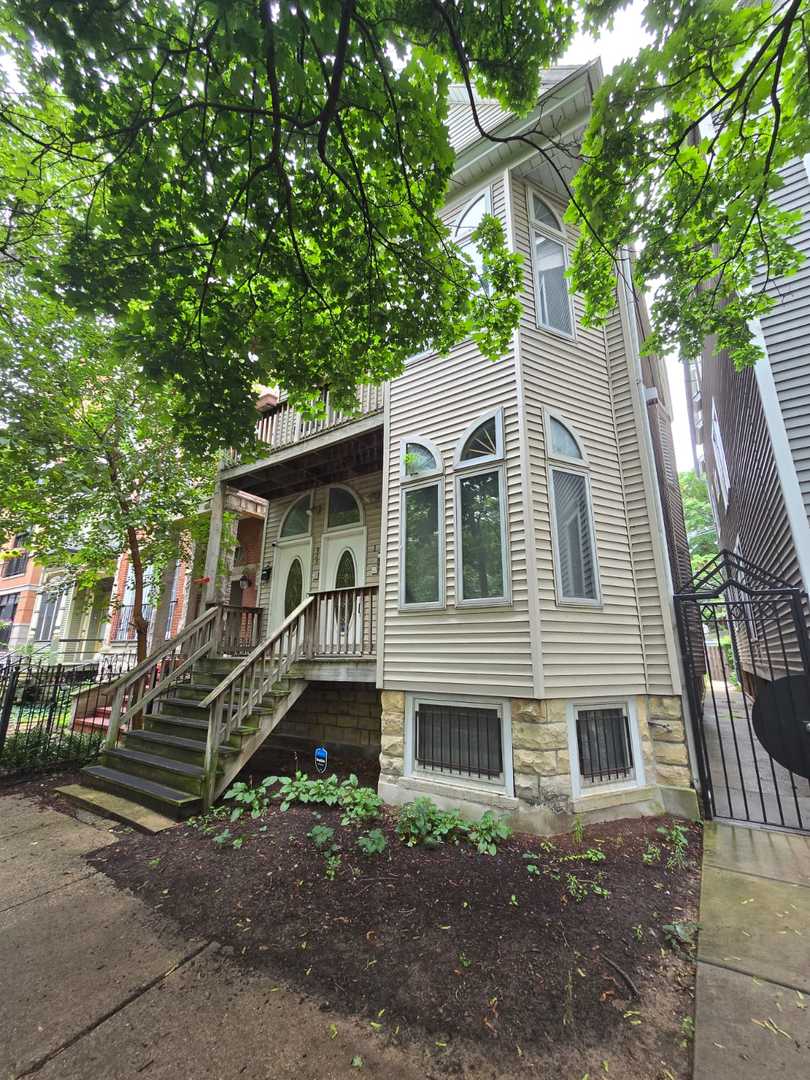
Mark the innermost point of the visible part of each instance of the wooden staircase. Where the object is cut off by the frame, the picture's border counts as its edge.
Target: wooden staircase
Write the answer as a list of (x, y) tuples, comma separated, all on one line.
[(186, 721)]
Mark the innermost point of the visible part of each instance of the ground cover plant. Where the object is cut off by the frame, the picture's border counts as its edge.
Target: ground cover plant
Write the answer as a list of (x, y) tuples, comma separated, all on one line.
[(572, 952)]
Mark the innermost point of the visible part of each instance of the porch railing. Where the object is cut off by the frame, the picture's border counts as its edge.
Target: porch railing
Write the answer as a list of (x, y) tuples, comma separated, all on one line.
[(342, 623), (283, 426), (161, 669), (240, 692)]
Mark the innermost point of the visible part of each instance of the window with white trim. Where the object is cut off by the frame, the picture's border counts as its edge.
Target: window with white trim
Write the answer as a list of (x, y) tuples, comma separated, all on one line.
[(604, 744), (48, 610), (298, 519), (459, 739), (482, 570), (721, 468), (421, 570), (574, 542), (344, 509), (550, 260), (469, 220)]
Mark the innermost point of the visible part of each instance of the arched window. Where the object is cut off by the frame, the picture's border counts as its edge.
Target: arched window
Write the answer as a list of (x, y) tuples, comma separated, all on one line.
[(466, 225), (346, 573), (418, 457), (549, 255), (298, 519), (575, 563), (294, 589), (343, 510), (482, 569), (421, 570)]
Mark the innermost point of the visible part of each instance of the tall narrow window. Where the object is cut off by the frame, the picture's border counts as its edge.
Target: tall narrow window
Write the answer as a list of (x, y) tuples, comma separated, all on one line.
[(466, 225), (481, 514), (721, 467), (422, 512), (552, 301), (48, 610), (572, 519), (18, 563)]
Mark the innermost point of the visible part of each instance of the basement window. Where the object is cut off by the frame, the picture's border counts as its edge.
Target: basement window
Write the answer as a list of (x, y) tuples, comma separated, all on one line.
[(604, 746), (459, 740)]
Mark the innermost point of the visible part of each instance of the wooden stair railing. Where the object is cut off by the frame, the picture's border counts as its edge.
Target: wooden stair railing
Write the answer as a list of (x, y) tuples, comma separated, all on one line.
[(231, 702), (161, 669)]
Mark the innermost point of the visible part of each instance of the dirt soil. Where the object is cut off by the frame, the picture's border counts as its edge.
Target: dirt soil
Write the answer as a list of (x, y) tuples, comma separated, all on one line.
[(494, 970)]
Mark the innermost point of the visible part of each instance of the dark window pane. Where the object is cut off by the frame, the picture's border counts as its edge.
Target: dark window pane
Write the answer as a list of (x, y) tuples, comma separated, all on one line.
[(421, 530), (345, 575), (418, 459), (294, 589), (47, 616), (343, 508), (483, 442), (296, 522), (603, 740), (481, 536), (562, 441), (454, 739), (553, 308)]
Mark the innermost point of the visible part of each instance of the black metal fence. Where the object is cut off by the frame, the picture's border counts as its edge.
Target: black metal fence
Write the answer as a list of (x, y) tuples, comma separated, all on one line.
[(54, 715)]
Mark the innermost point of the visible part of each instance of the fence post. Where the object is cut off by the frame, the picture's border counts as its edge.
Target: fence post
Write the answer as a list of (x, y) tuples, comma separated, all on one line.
[(8, 702), (54, 698)]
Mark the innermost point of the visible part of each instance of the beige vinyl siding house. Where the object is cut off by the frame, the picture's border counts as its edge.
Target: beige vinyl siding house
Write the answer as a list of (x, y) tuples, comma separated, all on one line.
[(490, 607)]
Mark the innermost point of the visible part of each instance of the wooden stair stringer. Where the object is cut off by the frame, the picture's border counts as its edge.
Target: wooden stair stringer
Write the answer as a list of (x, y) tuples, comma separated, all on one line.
[(270, 720)]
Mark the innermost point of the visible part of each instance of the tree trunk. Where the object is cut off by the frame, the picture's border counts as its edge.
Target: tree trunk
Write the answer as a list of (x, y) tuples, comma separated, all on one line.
[(140, 623)]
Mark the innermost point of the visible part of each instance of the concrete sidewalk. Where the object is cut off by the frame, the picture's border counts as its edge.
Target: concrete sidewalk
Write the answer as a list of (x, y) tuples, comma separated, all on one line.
[(94, 984), (752, 1017)]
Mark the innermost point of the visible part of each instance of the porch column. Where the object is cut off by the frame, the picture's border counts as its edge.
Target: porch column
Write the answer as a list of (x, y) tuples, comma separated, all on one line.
[(214, 543)]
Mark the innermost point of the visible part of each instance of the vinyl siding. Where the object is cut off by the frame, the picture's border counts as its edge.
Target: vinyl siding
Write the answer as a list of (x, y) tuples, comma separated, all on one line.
[(619, 647), (786, 330), (367, 488), (460, 650)]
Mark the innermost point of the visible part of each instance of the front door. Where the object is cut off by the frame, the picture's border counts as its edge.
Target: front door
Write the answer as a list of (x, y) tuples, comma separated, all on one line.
[(289, 583), (343, 567)]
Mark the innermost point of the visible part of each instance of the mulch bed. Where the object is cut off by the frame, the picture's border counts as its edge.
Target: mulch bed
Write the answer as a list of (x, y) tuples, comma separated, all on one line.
[(471, 955)]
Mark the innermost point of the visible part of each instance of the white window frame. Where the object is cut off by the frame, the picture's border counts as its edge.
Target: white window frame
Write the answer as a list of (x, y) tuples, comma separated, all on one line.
[(414, 484), (637, 780), (428, 444), (287, 512), (539, 227), (504, 785), (474, 463), (720, 463), (462, 210), (564, 463), (505, 599)]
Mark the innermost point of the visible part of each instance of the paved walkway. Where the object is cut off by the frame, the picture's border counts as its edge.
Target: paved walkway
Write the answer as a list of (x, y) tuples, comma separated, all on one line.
[(753, 980), (94, 984)]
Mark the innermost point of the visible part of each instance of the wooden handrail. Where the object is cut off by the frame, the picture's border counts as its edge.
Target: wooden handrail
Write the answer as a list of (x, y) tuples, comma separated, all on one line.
[(251, 658), (168, 646)]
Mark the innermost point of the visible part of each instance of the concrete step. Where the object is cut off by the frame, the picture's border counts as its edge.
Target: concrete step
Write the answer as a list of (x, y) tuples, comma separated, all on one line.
[(171, 801), (178, 774), (108, 805)]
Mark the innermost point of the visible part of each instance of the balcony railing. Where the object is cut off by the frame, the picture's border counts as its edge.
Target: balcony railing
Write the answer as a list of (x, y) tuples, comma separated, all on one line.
[(283, 426)]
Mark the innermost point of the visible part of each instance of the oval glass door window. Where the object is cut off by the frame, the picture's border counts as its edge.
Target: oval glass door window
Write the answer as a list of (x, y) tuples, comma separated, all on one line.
[(294, 589), (345, 575)]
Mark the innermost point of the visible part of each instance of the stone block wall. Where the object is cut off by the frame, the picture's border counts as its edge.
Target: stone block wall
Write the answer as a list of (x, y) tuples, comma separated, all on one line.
[(666, 724), (392, 733), (336, 714)]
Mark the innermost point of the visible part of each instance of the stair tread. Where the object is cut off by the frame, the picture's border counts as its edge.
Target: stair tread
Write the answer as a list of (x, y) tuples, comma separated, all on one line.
[(200, 725), (138, 784), (182, 768), (176, 741)]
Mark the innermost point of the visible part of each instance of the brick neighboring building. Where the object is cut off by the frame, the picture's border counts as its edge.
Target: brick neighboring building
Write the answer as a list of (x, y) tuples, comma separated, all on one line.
[(19, 584)]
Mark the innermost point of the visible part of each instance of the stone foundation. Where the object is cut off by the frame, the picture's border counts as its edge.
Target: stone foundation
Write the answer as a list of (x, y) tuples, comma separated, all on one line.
[(335, 715), (543, 797)]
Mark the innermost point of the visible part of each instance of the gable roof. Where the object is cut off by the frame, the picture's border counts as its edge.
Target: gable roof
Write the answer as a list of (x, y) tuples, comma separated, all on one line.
[(491, 114)]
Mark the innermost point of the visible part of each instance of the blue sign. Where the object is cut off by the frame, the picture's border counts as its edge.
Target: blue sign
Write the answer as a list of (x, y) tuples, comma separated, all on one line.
[(321, 757)]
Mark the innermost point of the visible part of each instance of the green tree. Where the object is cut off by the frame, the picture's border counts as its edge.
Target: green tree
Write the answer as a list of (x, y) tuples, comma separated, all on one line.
[(259, 184), (89, 462), (699, 520)]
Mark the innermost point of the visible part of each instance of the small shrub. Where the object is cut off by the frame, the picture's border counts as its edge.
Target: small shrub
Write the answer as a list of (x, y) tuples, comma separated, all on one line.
[(320, 835), (677, 843), (578, 831), (29, 751), (333, 861), (422, 822), (372, 842), (359, 804), (576, 888), (252, 798), (487, 833), (591, 855), (651, 855), (680, 935)]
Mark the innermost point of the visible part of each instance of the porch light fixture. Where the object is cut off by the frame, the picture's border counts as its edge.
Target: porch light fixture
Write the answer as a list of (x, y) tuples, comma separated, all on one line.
[(266, 571), (244, 582)]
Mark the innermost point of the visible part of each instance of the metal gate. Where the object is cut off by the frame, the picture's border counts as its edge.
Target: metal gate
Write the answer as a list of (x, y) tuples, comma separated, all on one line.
[(744, 640)]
